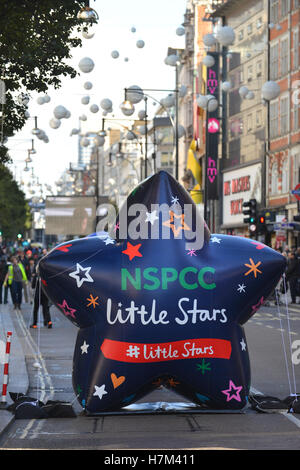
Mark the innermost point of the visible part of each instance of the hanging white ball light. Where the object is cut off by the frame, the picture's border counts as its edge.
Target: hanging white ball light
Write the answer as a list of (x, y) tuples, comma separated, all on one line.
[(134, 94), (74, 131), (201, 101), (68, 114), (270, 90), (40, 100), (209, 40), (87, 35), (243, 91), (86, 65), (250, 95), (169, 101), (127, 111), (106, 104), (115, 54), (87, 85), (172, 60), (180, 31), (208, 61), (60, 112), (142, 114), (54, 123), (94, 108), (83, 117), (226, 86), (140, 43), (212, 103), (47, 98), (85, 100), (133, 29), (225, 35), (130, 135)]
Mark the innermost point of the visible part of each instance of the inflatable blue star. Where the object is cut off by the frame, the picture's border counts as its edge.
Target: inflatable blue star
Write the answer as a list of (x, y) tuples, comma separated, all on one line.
[(160, 301)]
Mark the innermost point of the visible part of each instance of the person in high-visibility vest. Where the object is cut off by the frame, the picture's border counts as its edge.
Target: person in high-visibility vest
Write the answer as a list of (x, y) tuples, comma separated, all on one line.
[(15, 277)]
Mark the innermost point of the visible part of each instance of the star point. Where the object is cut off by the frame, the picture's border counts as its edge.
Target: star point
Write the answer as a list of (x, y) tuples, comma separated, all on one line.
[(99, 391), (151, 217), (171, 223), (77, 275), (253, 267)]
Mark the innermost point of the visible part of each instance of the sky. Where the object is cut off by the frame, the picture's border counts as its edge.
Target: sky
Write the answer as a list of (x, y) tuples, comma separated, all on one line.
[(155, 23)]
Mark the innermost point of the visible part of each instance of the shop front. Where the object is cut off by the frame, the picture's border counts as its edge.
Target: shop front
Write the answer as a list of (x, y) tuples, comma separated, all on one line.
[(239, 186)]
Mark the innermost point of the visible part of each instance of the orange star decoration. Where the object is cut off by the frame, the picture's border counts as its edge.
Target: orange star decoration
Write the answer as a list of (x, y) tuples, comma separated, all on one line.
[(171, 223), (92, 301), (132, 250), (253, 267), (172, 382)]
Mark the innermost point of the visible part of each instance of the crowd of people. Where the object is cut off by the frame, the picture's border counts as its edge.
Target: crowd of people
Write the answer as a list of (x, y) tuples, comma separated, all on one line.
[(293, 272), (19, 280)]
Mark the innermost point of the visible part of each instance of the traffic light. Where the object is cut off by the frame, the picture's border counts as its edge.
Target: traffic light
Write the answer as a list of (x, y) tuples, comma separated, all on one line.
[(261, 223), (250, 211)]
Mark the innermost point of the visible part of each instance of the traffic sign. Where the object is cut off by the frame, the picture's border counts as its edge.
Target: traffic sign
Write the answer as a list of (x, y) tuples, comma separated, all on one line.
[(296, 191)]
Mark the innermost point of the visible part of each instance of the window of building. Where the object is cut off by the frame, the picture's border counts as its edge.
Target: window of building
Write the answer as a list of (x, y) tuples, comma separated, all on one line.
[(259, 118), (241, 35), (295, 117), (284, 115), (284, 7), (274, 11), (249, 29), (274, 61), (285, 176), (249, 73), (274, 119), (296, 4), (274, 178), (249, 122), (259, 67), (284, 56), (259, 23), (295, 49)]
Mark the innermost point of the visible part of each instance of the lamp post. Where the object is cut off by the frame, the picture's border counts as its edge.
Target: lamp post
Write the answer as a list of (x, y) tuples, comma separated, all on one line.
[(206, 160)]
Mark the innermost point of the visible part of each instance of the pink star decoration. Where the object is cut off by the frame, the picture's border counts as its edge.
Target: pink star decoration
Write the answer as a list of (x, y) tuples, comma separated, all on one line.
[(232, 392), (68, 311)]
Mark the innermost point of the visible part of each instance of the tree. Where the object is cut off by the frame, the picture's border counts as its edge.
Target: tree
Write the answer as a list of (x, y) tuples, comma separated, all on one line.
[(36, 37), (14, 210)]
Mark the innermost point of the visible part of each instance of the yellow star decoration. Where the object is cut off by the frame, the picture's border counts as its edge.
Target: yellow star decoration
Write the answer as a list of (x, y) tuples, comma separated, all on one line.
[(170, 223), (253, 267), (92, 301)]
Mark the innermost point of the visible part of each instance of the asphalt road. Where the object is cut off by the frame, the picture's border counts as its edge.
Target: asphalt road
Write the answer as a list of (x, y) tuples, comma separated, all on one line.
[(270, 349)]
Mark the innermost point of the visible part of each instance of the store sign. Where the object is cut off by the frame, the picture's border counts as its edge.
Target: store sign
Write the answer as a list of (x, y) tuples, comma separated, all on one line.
[(240, 186), (213, 127)]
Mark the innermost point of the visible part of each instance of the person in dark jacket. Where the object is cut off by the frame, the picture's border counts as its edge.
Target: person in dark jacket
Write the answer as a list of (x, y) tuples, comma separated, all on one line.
[(40, 298), (3, 272), (292, 273)]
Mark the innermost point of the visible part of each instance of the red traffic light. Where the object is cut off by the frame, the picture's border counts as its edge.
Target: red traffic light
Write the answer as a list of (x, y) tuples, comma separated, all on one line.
[(262, 219)]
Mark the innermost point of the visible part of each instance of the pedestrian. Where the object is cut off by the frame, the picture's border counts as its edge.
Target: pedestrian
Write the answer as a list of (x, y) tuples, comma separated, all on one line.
[(3, 272), (31, 275), (292, 273), (40, 298), (24, 260), (15, 277)]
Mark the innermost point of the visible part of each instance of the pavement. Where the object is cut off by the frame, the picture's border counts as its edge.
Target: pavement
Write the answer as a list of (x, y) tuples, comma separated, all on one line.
[(18, 380)]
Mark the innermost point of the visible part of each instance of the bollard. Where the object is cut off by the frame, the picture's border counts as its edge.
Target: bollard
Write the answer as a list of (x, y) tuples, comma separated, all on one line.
[(5, 375)]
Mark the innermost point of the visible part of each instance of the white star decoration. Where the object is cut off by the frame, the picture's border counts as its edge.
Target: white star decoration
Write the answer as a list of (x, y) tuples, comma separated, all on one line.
[(241, 288), (216, 240), (151, 217), (174, 200), (243, 345), (76, 275), (84, 348), (99, 391), (109, 241)]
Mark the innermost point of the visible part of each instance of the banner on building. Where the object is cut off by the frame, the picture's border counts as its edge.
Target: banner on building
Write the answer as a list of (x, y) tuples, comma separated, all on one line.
[(212, 130)]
